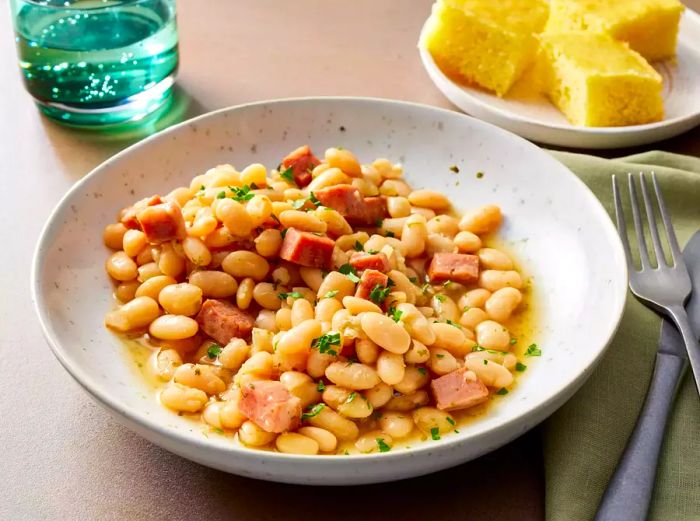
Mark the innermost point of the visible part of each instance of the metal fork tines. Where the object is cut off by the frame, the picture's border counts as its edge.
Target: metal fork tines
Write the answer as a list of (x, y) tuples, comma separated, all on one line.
[(664, 287)]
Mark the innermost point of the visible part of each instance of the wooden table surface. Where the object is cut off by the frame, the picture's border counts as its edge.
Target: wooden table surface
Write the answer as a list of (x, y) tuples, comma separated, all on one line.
[(64, 457)]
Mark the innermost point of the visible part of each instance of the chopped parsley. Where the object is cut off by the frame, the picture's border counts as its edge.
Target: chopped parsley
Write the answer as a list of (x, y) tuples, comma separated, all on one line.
[(351, 397), (358, 246), (242, 193), (372, 252), (349, 272), (454, 168), (486, 362), (331, 294), (293, 294), (218, 430), (479, 175), (533, 350), (320, 387), (221, 195), (390, 234), (502, 391), (283, 232), (379, 294), (313, 411), (513, 341), (520, 367), (447, 284), (425, 288), (313, 200), (214, 351), (422, 371), (439, 356), (325, 342), (455, 324), (378, 223), (414, 280), (451, 421), (435, 433), (288, 175), (395, 314), (440, 298), (383, 447)]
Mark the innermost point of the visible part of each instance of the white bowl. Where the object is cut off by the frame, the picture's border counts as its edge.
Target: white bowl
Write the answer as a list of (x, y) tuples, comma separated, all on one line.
[(559, 231), (533, 116)]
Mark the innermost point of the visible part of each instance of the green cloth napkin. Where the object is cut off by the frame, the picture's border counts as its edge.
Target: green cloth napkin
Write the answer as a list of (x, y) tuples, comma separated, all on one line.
[(583, 441)]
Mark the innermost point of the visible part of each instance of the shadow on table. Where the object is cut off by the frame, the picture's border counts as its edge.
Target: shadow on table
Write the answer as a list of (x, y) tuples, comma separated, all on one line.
[(80, 150), (505, 485)]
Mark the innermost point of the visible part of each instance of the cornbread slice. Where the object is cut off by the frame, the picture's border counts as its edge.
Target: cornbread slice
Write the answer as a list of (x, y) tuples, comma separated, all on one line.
[(486, 42), (649, 26), (597, 81)]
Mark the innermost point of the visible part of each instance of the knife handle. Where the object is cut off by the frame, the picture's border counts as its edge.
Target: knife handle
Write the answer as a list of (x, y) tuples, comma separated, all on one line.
[(629, 492)]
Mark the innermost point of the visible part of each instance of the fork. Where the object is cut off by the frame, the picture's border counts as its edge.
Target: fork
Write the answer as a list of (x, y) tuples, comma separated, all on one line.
[(665, 288)]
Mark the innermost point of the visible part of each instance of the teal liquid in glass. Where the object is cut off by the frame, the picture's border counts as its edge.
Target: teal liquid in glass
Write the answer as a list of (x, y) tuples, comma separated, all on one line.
[(97, 62)]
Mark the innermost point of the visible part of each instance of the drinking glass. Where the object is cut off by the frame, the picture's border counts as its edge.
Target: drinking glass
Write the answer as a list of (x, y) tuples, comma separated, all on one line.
[(97, 62)]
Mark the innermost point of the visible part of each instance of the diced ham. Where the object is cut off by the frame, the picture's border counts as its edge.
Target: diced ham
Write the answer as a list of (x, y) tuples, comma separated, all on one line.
[(301, 161), (457, 267), (455, 391), (348, 202), (270, 406), (369, 280), (307, 249), (128, 215), (162, 222), (375, 210), (223, 321), (369, 261)]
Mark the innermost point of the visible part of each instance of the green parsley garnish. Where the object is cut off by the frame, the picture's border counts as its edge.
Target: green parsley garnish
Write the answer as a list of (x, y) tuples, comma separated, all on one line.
[(424, 288), (324, 343), (435, 433), (351, 397), (242, 193), (422, 371), (358, 246), (502, 391), (214, 351), (288, 175), (451, 421), (479, 175), (320, 387), (447, 284), (298, 203), (283, 232), (379, 294), (486, 362), (439, 356), (349, 272), (378, 223), (395, 314), (455, 324), (221, 195), (372, 252), (218, 430), (313, 200), (414, 280), (533, 350), (331, 294), (455, 169), (390, 234), (293, 294), (383, 447), (520, 367), (440, 298), (313, 411), (513, 341), (478, 348)]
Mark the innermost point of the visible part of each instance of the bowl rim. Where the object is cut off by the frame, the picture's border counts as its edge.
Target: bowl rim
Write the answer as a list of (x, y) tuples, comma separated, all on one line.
[(132, 415)]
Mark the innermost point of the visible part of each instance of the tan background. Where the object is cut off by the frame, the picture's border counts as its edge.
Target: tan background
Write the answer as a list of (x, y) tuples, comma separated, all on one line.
[(63, 456)]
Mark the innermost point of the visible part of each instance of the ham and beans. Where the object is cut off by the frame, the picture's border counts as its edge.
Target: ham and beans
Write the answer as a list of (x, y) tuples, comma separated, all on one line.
[(323, 307)]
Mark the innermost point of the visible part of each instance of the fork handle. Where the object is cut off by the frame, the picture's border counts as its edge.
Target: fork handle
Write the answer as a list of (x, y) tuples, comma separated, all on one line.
[(628, 495), (680, 317)]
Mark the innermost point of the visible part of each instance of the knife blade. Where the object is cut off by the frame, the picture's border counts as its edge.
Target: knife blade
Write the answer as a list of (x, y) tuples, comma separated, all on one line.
[(670, 341)]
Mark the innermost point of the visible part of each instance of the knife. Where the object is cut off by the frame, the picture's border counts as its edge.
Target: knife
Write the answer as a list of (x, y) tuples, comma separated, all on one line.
[(629, 492)]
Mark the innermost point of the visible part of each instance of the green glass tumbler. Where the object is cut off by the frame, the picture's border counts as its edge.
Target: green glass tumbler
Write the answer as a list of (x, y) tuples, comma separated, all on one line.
[(97, 62)]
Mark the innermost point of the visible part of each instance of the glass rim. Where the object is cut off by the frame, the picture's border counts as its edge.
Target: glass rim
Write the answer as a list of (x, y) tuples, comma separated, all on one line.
[(93, 4)]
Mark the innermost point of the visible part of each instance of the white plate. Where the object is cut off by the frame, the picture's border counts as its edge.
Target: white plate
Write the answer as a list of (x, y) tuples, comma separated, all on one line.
[(534, 117), (558, 229)]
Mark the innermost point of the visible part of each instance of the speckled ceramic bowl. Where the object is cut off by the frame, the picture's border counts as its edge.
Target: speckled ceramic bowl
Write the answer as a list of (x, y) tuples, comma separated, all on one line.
[(557, 229)]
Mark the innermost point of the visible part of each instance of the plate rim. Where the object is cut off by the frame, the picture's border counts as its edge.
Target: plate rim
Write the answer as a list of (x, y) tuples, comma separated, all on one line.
[(84, 379)]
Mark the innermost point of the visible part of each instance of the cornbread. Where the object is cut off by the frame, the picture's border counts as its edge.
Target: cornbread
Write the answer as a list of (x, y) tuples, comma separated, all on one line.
[(649, 26), (598, 81), (485, 42)]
